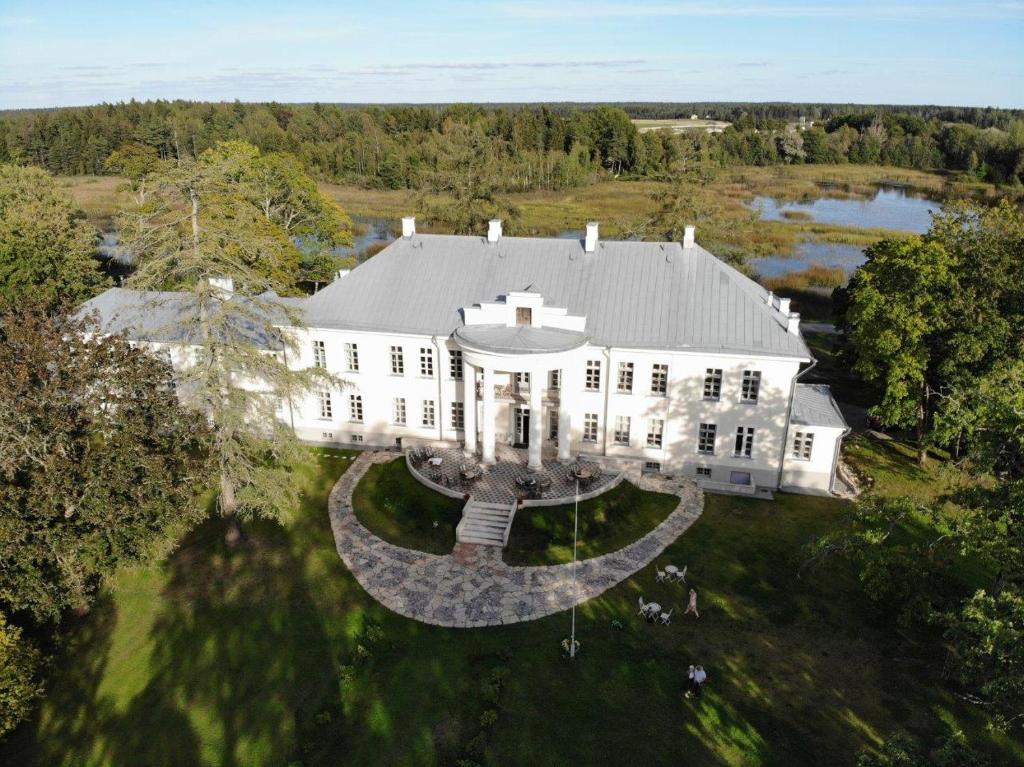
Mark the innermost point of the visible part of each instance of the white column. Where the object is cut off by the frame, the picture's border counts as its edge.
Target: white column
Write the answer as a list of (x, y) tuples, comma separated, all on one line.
[(566, 406), (536, 420), (487, 427), (469, 407)]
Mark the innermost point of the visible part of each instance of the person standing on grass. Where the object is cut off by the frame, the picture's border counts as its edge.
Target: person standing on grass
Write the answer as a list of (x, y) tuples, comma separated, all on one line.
[(691, 681), (692, 606), (700, 677)]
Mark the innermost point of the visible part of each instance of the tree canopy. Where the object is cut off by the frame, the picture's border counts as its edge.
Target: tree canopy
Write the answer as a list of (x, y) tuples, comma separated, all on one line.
[(98, 462), (47, 250)]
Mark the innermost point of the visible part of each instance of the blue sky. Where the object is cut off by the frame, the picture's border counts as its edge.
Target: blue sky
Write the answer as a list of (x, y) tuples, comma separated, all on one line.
[(901, 51)]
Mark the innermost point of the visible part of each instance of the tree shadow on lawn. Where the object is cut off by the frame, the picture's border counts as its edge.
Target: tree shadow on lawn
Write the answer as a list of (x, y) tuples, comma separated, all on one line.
[(239, 643), (78, 724)]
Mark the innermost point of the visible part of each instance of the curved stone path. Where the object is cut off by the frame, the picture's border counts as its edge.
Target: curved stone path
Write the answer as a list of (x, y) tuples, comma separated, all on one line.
[(472, 586)]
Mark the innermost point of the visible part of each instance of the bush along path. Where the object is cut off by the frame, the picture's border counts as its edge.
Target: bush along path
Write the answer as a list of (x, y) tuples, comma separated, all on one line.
[(472, 586)]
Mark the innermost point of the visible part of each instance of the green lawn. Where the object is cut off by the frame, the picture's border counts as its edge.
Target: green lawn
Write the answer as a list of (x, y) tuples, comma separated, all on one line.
[(543, 536), (399, 509), (271, 654)]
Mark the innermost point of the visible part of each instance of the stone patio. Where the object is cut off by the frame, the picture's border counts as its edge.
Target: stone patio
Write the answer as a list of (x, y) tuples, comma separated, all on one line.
[(472, 586), (498, 483)]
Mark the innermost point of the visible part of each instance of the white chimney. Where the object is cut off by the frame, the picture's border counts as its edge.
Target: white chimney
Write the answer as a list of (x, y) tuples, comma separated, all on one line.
[(784, 306), (341, 273), (769, 298), (590, 244), (408, 226), (223, 285), (793, 323), (688, 234), (494, 230)]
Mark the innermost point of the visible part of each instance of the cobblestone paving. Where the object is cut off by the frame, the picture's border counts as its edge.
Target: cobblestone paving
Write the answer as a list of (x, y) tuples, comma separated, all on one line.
[(472, 586)]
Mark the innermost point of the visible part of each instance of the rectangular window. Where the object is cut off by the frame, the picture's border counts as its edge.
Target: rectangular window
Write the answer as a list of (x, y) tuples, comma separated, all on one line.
[(428, 412), (319, 354), (524, 315), (355, 408), (652, 467), (555, 380), (397, 361), (590, 427), (706, 438), (593, 375), (458, 415), (712, 383), (352, 358), (327, 435), (744, 442), (455, 364), (553, 424), (703, 471), (356, 437), (659, 380), (427, 362), (522, 381), (398, 411), (803, 443), (655, 429), (622, 429), (326, 409), (625, 378), (751, 385)]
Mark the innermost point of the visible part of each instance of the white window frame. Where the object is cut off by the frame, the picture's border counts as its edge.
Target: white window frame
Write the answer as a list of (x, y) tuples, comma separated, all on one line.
[(803, 445), (625, 378), (744, 444), (429, 418), (659, 379), (426, 362), (590, 427), (592, 381), (455, 365), (319, 354), (656, 432), (704, 471), (326, 406), (397, 361), (555, 380), (398, 411), (355, 408), (750, 388), (623, 425), (707, 434), (713, 384), (553, 424), (352, 357), (458, 413)]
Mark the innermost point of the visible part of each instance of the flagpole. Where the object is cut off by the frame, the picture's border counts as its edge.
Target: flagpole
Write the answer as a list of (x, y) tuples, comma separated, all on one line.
[(575, 531)]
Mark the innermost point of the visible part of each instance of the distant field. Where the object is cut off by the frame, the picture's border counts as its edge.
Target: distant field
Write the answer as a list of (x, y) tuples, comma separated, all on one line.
[(681, 125)]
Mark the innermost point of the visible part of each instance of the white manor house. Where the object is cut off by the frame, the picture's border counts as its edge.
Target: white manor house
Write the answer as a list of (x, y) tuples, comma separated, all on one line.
[(646, 355)]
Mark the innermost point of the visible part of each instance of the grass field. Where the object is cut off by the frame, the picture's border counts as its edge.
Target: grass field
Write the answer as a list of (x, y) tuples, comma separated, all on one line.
[(543, 536), (271, 654)]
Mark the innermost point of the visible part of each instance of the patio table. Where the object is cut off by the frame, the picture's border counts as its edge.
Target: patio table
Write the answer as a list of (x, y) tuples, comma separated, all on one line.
[(584, 472), (436, 461), (672, 570), (652, 610)]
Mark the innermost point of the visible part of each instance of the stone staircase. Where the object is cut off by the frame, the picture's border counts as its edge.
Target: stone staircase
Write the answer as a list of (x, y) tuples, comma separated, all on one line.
[(486, 524)]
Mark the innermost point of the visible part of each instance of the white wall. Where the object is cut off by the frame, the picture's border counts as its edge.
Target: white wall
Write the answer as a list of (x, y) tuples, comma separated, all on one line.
[(814, 475)]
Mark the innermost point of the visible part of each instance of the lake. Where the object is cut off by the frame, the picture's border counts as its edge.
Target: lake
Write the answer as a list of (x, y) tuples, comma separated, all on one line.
[(890, 208)]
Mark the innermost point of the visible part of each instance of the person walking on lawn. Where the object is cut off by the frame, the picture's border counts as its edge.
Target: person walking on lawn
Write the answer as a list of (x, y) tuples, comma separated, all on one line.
[(692, 606), (700, 677)]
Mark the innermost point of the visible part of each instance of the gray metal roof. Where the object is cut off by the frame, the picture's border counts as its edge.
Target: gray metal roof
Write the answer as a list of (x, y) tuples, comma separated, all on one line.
[(520, 339), (813, 405), (634, 294), (163, 316)]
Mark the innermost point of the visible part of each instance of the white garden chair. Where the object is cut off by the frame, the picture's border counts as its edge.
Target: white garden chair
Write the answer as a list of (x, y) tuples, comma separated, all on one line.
[(666, 618), (659, 575), (643, 606), (681, 575)]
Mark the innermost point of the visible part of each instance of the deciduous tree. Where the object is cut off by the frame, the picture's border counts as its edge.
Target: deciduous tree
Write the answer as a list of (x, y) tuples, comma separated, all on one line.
[(47, 249)]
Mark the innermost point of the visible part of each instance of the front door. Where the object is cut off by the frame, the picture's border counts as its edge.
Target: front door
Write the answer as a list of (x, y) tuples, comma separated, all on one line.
[(522, 435)]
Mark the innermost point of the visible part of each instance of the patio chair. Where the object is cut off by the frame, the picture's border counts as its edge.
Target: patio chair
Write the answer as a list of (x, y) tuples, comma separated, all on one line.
[(643, 606), (659, 575), (681, 575), (666, 618)]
